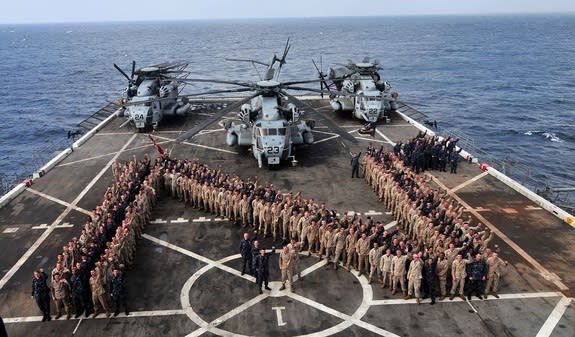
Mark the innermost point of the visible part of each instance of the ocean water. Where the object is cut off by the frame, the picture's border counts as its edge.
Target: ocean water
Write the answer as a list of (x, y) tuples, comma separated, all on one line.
[(505, 84)]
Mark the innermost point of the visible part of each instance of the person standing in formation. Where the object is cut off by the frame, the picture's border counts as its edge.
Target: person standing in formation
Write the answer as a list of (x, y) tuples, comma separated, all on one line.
[(262, 269), (286, 268), (61, 295), (41, 293)]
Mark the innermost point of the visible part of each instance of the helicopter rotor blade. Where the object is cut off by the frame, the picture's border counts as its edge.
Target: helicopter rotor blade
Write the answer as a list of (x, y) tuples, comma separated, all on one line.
[(282, 61), (123, 73), (133, 69), (212, 92), (323, 83), (203, 124), (304, 89), (243, 84), (246, 60), (326, 121)]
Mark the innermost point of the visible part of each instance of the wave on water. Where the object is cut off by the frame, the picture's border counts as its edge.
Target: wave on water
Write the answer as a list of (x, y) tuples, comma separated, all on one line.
[(551, 136)]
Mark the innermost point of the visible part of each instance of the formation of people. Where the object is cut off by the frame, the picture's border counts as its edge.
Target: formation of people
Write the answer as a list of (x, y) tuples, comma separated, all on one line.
[(433, 248), (89, 274)]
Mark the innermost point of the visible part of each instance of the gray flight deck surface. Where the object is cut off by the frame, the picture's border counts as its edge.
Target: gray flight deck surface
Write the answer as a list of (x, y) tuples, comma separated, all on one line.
[(186, 279)]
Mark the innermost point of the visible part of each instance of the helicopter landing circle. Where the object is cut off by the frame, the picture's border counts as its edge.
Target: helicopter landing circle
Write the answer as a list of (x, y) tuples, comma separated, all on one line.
[(347, 321)]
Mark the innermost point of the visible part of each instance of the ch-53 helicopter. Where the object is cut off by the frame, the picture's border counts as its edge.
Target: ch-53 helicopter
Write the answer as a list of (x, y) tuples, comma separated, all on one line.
[(270, 121), (359, 90), (152, 93)]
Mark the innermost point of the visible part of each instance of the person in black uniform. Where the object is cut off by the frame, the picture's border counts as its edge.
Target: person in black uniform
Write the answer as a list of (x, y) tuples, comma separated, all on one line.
[(77, 285), (262, 269), (246, 252), (118, 291), (41, 293), (355, 164), (429, 275), (477, 273)]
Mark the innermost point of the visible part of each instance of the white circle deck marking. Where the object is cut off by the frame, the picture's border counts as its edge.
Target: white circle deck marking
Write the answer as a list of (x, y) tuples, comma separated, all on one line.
[(347, 320)]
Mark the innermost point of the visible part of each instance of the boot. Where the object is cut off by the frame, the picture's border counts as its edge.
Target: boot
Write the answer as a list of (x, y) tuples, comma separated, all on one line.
[(283, 286), (393, 291), (96, 313), (495, 294), (441, 298), (417, 300), (451, 297), (108, 314)]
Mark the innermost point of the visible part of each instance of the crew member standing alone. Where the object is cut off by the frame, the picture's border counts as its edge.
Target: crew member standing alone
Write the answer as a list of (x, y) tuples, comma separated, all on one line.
[(355, 164)]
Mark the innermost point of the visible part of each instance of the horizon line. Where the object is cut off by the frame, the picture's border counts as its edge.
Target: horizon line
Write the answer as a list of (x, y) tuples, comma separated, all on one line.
[(291, 18)]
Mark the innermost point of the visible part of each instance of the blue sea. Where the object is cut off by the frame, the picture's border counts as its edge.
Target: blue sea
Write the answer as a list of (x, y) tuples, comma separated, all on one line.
[(504, 84)]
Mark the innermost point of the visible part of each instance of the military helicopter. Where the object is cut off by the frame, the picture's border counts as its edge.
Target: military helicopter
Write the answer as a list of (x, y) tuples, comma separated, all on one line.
[(152, 93), (359, 90), (270, 120)]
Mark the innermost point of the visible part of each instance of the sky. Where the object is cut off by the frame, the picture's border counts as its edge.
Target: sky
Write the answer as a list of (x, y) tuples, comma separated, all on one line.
[(51, 11)]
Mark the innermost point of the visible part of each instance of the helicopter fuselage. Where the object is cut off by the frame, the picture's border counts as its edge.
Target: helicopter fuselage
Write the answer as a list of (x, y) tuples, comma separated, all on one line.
[(269, 130)]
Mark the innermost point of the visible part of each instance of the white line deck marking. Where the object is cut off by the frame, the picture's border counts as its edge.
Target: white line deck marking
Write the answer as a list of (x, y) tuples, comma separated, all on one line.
[(180, 220), (77, 326), (516, 296), (204, 259), (472, 307), (278, 311), (202, 219), (325, 139), (65, 213), (340, 315), (134, 314), (470, 181), (542, 270), (109, 154), (210, 148), (158, 221), (384, 137), (10, 230), (59, 201), (373, 140), (547, 328), (391, 224)]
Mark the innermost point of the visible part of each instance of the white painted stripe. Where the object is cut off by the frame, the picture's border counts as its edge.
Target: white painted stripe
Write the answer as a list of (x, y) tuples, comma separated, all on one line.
[(384, 137), (136, 314), (59, 201), (180, 220), (217, 264), (158, 221), (372, 140), (470, 181), (325, 139), (205, 132), (391, 224), (547, 328), (472, 307), (109, 154), (10, 230), (457, 299), (209, 147), (77, 326), (345, 317), (49, 231), (202, 219)]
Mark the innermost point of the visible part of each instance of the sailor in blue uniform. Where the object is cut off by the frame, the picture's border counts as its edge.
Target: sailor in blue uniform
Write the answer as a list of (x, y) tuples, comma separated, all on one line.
[(41, 293)]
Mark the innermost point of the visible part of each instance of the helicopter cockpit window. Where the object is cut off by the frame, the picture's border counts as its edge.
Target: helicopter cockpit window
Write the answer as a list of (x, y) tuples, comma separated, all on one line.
[(281, 131)]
